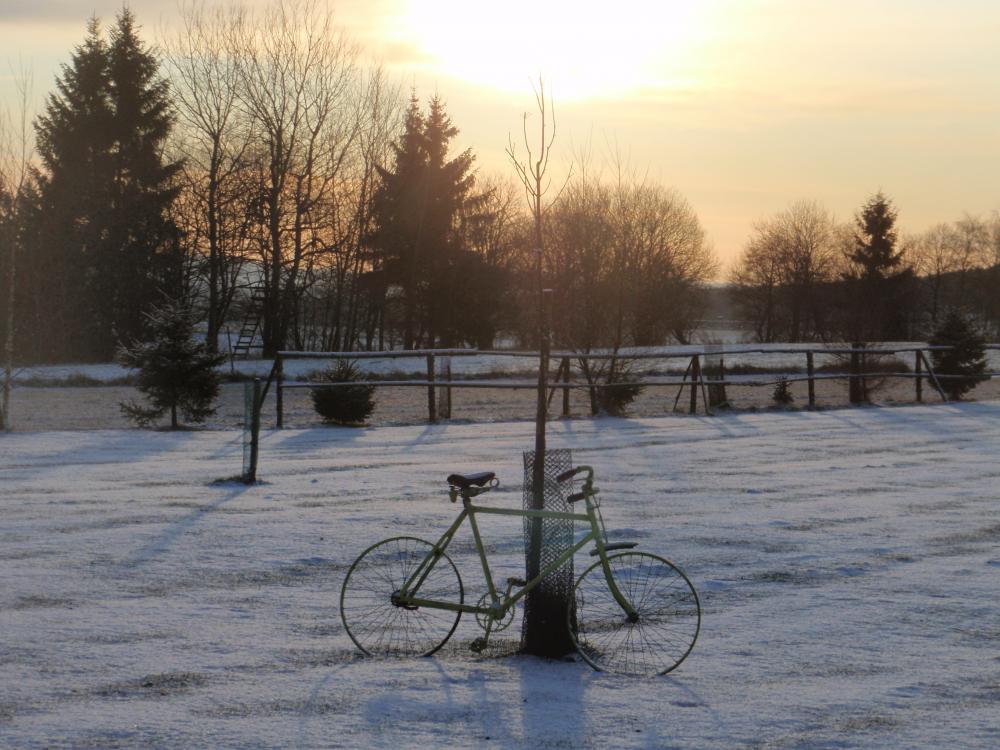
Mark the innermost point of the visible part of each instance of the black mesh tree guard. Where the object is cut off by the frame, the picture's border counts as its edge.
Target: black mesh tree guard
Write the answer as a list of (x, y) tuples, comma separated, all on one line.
[(544, 630)]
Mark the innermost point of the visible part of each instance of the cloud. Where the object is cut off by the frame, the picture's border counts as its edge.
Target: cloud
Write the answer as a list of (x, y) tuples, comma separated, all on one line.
[(74, 11)]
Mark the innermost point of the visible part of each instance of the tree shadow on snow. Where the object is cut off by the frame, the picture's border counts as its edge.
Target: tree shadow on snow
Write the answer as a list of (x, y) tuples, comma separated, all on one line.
[(171, 533)]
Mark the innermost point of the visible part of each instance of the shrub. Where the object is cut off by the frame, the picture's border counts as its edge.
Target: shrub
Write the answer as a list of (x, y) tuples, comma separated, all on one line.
[(782, 394), (345, 404), (615, 399), (176, 372), (967, 357)]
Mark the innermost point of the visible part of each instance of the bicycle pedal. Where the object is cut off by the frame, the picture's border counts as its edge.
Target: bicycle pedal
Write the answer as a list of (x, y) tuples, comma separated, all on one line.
[(517, 582), (478, 645)]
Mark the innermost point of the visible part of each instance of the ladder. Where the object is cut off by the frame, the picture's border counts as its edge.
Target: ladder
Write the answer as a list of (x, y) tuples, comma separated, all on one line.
[(251, 323)]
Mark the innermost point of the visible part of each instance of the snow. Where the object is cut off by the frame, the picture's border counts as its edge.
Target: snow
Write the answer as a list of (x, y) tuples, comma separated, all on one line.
[(847, 560)]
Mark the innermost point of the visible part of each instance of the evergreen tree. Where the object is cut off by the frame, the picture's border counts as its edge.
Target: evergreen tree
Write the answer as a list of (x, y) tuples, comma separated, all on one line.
[(875, 252), (104, 238), (74, 146), (966, 358), (880, 288), (345, 404), (176, 372), (398, 201), (419, 209), (143, 256)]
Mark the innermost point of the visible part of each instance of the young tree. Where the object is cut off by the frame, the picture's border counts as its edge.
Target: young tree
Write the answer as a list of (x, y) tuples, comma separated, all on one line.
[(176, 373), (344, 404), (16, 148), (966, 359), (542, 607)]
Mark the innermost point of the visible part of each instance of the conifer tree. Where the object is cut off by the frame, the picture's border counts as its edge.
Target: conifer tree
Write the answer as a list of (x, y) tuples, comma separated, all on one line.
[(419, 208), (879, 285), (74, 146), (142, 258), (176, 372), (103, 234), (875, 251), (966, 358)]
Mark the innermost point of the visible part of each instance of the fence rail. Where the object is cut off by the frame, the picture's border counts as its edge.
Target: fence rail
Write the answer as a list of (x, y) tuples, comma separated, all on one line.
[(701, 378)]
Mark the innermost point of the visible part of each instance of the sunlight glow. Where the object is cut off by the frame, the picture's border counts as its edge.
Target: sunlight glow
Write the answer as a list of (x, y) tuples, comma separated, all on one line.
[(585, 49)]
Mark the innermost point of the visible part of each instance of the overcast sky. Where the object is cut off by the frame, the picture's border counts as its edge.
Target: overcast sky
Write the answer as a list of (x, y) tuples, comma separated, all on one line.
[(744, 105)]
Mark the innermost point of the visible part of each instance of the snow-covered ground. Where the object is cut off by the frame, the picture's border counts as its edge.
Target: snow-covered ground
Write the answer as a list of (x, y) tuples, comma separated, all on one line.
[(848, 563)]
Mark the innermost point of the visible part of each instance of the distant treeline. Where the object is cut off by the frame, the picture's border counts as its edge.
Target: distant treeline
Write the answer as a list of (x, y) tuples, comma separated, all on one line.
[(803, 277)]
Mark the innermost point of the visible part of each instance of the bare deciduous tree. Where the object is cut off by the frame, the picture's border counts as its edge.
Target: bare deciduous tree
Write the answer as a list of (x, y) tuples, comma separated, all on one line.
[(213, 138), (297, 76), (16, 150), (933, 256), (780, 277), (541, 607)]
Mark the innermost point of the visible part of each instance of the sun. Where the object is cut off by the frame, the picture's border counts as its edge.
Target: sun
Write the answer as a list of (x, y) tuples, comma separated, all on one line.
[(584, 49)]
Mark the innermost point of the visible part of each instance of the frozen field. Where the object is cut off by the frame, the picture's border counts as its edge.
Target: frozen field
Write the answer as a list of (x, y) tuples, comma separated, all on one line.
[(848, 563)]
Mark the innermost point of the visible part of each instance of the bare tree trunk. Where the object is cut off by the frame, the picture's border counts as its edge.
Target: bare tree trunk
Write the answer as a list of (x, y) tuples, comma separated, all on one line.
[(544, 632)]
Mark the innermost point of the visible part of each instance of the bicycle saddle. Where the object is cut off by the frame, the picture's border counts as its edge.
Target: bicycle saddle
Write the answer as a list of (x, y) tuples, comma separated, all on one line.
[(464, 481)]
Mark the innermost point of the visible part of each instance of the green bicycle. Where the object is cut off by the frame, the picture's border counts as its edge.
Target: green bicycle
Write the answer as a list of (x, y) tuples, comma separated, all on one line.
[(631, 612)]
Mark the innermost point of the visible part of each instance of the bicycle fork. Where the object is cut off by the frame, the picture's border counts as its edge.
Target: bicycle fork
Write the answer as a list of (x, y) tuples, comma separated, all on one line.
[(600, 541)]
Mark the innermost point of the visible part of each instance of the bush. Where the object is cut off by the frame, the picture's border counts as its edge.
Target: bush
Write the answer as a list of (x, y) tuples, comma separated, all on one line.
[(966, 358), (614, 400), (782, 394), (176, 372), (346, 404)]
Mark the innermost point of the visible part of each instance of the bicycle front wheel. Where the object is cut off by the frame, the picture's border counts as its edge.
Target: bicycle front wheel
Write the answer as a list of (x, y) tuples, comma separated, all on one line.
[(377, 622), (655, 642)]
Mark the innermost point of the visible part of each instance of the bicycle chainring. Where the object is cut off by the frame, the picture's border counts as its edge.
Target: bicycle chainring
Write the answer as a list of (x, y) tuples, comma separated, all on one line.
[(498, 624)]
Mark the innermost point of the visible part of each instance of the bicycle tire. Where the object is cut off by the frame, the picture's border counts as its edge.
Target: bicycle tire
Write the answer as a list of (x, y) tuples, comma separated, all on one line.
[(381, 628), (667, 605)]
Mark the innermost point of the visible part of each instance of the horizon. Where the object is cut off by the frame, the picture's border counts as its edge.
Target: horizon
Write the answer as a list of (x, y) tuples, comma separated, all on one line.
[(742, 108)]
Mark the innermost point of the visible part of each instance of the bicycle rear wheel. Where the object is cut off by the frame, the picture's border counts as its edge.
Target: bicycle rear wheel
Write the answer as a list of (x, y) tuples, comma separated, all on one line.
[(669, 616), (377, 623)]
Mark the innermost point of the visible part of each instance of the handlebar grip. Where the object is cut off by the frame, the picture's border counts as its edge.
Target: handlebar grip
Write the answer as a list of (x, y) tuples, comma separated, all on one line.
[(568, 474), (575, 497)]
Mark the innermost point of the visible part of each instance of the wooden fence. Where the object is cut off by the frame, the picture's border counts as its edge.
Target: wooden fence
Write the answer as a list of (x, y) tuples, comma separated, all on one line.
[(700, 378)]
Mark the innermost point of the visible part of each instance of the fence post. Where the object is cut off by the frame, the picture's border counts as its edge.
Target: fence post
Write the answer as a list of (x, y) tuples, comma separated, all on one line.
[(444, 393), (431, 404), (856, 388), (565, 405), (715, 369), (279, 401), (918, 366), (811, 372), (695, 379), (251, 422)]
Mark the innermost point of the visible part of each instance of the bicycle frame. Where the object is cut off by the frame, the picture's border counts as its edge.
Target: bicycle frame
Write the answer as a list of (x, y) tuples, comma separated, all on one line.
[(500, 606)]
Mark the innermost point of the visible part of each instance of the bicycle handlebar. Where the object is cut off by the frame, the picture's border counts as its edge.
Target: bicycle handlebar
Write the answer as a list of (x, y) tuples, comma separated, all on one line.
[(573, 472)]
